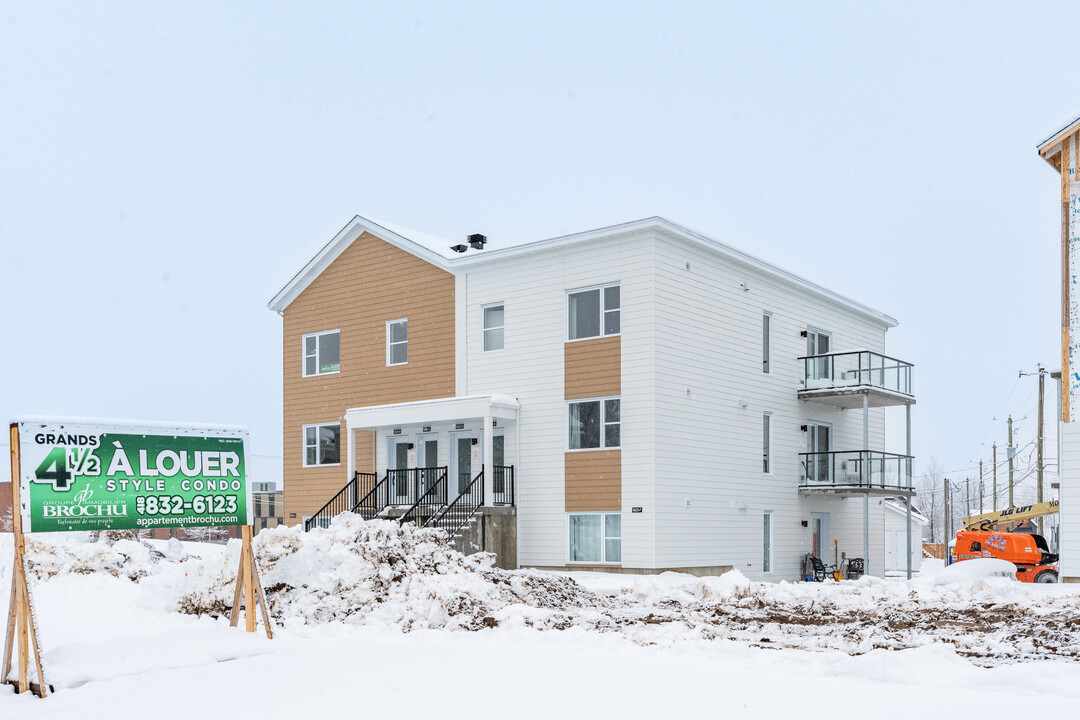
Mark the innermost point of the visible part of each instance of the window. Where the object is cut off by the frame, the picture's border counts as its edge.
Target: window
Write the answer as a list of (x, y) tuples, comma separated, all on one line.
[(595, 424), (397, 342), (595, 538), (322, 353), (321, 444), (766, 560), (594, 312), (766, 443), (766, 339), (493, 327)]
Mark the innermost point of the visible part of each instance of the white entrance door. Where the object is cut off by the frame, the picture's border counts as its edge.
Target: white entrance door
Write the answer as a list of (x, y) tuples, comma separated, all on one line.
[(821, 542), (819, 444), (820, 370), (397, 463), (427, 459), (466, 459)]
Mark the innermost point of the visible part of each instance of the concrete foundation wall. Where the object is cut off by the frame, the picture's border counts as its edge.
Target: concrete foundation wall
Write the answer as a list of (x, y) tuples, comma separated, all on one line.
[(495, 531)]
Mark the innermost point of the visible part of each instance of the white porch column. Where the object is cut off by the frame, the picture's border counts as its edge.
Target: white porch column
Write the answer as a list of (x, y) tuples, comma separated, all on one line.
[(350, 443), (489, 467)]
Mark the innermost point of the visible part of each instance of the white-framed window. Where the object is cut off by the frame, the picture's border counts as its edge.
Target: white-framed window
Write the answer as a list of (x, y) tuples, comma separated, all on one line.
[(766, 540), (766, 342), (397, 342), (322, 444), (593, 312), (494, 321), (322, 353), (594, 537), (595, 424), (766, 443)]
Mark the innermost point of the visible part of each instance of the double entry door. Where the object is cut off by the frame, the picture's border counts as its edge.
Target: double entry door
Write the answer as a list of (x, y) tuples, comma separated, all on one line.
[(413, 464)]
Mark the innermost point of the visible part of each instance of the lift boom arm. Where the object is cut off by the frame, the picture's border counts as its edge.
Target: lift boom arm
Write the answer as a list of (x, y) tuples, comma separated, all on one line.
[(987, 521)]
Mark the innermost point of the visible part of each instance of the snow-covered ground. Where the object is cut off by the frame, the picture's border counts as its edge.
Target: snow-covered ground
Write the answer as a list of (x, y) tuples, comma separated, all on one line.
[(371, 618)]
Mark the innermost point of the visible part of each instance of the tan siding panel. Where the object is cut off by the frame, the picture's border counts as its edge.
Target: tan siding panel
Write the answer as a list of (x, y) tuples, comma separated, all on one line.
[(593, 368), (593, 480), (367, 285)]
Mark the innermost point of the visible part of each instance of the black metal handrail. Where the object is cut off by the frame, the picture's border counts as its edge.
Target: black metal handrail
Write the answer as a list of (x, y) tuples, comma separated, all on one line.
[(343, 501), (860, 468), (461, 510), (408, 484), (502, 485), (375, 500), (429, 503)]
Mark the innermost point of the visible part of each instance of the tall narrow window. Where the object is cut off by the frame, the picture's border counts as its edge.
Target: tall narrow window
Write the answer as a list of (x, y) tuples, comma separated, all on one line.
[(594, 313), (494, 320), (819, 372), (322, 353), (766, 544), (766, 443), (766, 340), (397, 342)]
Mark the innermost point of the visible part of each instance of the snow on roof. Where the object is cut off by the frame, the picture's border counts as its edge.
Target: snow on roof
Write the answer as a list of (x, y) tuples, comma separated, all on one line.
[(63, 420), (916, 516), (437, 245), (1061, 128), (437, 251)]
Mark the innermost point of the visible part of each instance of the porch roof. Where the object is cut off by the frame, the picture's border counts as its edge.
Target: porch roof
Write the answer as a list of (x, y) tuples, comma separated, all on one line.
[(503, 407)]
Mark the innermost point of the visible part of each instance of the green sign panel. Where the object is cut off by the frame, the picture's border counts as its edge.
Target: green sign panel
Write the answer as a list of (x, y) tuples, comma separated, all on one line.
[(95, 475)]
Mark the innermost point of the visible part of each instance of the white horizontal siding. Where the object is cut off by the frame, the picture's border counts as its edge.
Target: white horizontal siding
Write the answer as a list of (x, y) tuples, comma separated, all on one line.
[(530, 368), (1069, 512), (709, 342)]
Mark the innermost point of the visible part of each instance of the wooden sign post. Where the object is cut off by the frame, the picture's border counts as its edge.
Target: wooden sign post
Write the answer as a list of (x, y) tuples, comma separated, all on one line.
[(248, 586), (21, 622)]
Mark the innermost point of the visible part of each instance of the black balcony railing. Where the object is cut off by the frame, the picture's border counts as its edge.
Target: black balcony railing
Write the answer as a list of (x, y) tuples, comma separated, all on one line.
[(461, 509), (407, 485), (851, 369), (431, 501), (502, 485), (863, 469), (346, 500)]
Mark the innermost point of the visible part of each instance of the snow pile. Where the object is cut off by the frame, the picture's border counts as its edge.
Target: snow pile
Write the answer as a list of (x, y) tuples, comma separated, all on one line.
[(382, 576), (379, 572), (118, 553)]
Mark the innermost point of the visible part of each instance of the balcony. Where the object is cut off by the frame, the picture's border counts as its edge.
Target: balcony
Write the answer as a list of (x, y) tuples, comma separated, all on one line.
[(845, 379), (855, 472)]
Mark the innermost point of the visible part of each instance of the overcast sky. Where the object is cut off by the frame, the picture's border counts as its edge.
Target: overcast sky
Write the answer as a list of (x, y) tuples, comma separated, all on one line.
[(166, 168)]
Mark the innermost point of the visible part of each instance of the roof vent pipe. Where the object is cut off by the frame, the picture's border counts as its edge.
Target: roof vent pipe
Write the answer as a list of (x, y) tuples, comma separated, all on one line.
[(477, 241), (459, 248)]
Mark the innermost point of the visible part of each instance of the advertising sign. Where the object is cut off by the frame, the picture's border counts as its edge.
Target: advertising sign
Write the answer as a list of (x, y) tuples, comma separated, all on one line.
[(114, 475)]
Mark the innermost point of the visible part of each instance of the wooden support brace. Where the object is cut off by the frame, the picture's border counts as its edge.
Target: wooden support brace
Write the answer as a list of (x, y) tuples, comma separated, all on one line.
[(9, 634), (234, 616), (262, 598)]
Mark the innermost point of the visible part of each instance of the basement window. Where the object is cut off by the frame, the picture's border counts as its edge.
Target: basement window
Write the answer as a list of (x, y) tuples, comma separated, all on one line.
[(595, 538)]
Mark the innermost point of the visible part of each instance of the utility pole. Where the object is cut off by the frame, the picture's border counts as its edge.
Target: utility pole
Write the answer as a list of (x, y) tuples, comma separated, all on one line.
[(947, 523), (1039, 469), (1011, 453), (967, 497), (1041, 371), (994, 468), (981, 486)]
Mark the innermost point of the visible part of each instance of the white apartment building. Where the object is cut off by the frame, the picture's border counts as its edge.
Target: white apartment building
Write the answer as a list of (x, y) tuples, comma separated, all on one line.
[(636, 398)]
